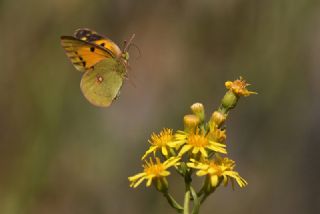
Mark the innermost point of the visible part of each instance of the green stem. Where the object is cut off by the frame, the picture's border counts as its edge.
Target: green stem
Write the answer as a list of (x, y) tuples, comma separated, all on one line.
[(204, 197), (173, 203), (201, 191), (187, 178), (179, 171), (186, 202), (196, 202)]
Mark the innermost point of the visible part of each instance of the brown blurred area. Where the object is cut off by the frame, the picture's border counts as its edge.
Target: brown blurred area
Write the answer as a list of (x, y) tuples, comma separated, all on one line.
[(59, 154)]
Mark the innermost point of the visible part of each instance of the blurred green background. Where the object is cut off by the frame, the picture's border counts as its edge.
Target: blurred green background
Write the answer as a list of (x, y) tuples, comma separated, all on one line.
[(59, 154)]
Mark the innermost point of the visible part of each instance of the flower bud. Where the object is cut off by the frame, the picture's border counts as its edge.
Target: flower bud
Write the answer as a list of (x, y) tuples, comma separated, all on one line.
[(218, 118), (229, 100), (190, 122), (198, 110)]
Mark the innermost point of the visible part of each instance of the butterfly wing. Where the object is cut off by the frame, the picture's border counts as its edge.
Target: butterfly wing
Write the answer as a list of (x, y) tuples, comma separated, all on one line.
[(83, 54), (102, 84), (88, 35)]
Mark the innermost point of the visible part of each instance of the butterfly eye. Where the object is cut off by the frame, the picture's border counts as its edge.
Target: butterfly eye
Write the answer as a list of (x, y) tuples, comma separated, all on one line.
[(81, 34), (125, 56)]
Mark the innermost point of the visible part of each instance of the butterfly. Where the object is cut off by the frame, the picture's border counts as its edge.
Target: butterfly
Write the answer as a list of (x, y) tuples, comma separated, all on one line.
[(103, 64)]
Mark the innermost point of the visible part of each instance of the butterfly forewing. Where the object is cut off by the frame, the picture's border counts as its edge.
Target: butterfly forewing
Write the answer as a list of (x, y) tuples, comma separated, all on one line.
[(98, 39), (83, 54)]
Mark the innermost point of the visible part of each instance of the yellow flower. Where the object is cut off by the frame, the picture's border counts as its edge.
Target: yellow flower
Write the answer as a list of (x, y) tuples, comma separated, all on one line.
[(198, 142), (217, 135), (239, 87), (162, 142), (153, 171), (221, 168)]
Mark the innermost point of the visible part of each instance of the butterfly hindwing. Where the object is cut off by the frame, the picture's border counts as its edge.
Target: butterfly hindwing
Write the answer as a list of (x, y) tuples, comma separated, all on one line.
[(102, 84), (84, 55), (98, 39)]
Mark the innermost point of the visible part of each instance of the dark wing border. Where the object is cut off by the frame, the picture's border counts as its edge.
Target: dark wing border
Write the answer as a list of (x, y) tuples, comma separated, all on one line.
[(88, 43)]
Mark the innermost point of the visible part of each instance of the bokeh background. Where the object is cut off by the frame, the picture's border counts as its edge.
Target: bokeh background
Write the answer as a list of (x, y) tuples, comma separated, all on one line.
[(59, 154)]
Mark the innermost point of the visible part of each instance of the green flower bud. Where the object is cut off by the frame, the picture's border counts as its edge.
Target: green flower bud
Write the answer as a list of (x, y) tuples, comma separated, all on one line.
[(229, 100)]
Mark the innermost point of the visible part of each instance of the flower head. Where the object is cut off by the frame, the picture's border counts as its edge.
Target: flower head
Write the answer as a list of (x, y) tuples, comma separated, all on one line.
[(153, 171), (162, 142), (217, 170), (239, 87), (217, 135), (198, 143)]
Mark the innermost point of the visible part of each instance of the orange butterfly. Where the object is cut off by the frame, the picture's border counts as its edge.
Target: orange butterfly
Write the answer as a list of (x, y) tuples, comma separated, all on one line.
[(104, 64)]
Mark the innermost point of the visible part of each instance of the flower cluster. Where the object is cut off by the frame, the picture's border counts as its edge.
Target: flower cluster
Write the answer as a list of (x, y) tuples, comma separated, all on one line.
[(200, 149)]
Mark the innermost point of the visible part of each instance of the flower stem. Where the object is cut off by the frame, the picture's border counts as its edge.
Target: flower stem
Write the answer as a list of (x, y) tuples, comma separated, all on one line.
[(186, 202), (173, 203), (200, 192), (204, 197), (196, 202), (206, 194)]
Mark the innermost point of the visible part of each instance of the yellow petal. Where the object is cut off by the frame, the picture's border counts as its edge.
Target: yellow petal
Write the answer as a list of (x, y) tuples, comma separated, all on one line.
[(184, 149), (202, 173), (149, 151), (225, 180), (171, 161), (165, 173), (203, 152), (164, 151), (195, 150), (149, 182), (137, 176), (214, 180), (192, 165), (134, 185), (216, 148), (212, 170)]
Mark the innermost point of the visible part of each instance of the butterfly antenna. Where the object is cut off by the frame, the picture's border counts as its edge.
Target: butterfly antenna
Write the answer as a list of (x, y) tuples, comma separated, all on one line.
[(132, 76), (124, 44), (134, 45), (127, 44), (132, 83)]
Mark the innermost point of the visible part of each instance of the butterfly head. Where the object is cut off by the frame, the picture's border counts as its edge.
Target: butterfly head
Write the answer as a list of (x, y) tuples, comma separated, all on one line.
[(125, 56), (125, 53)]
